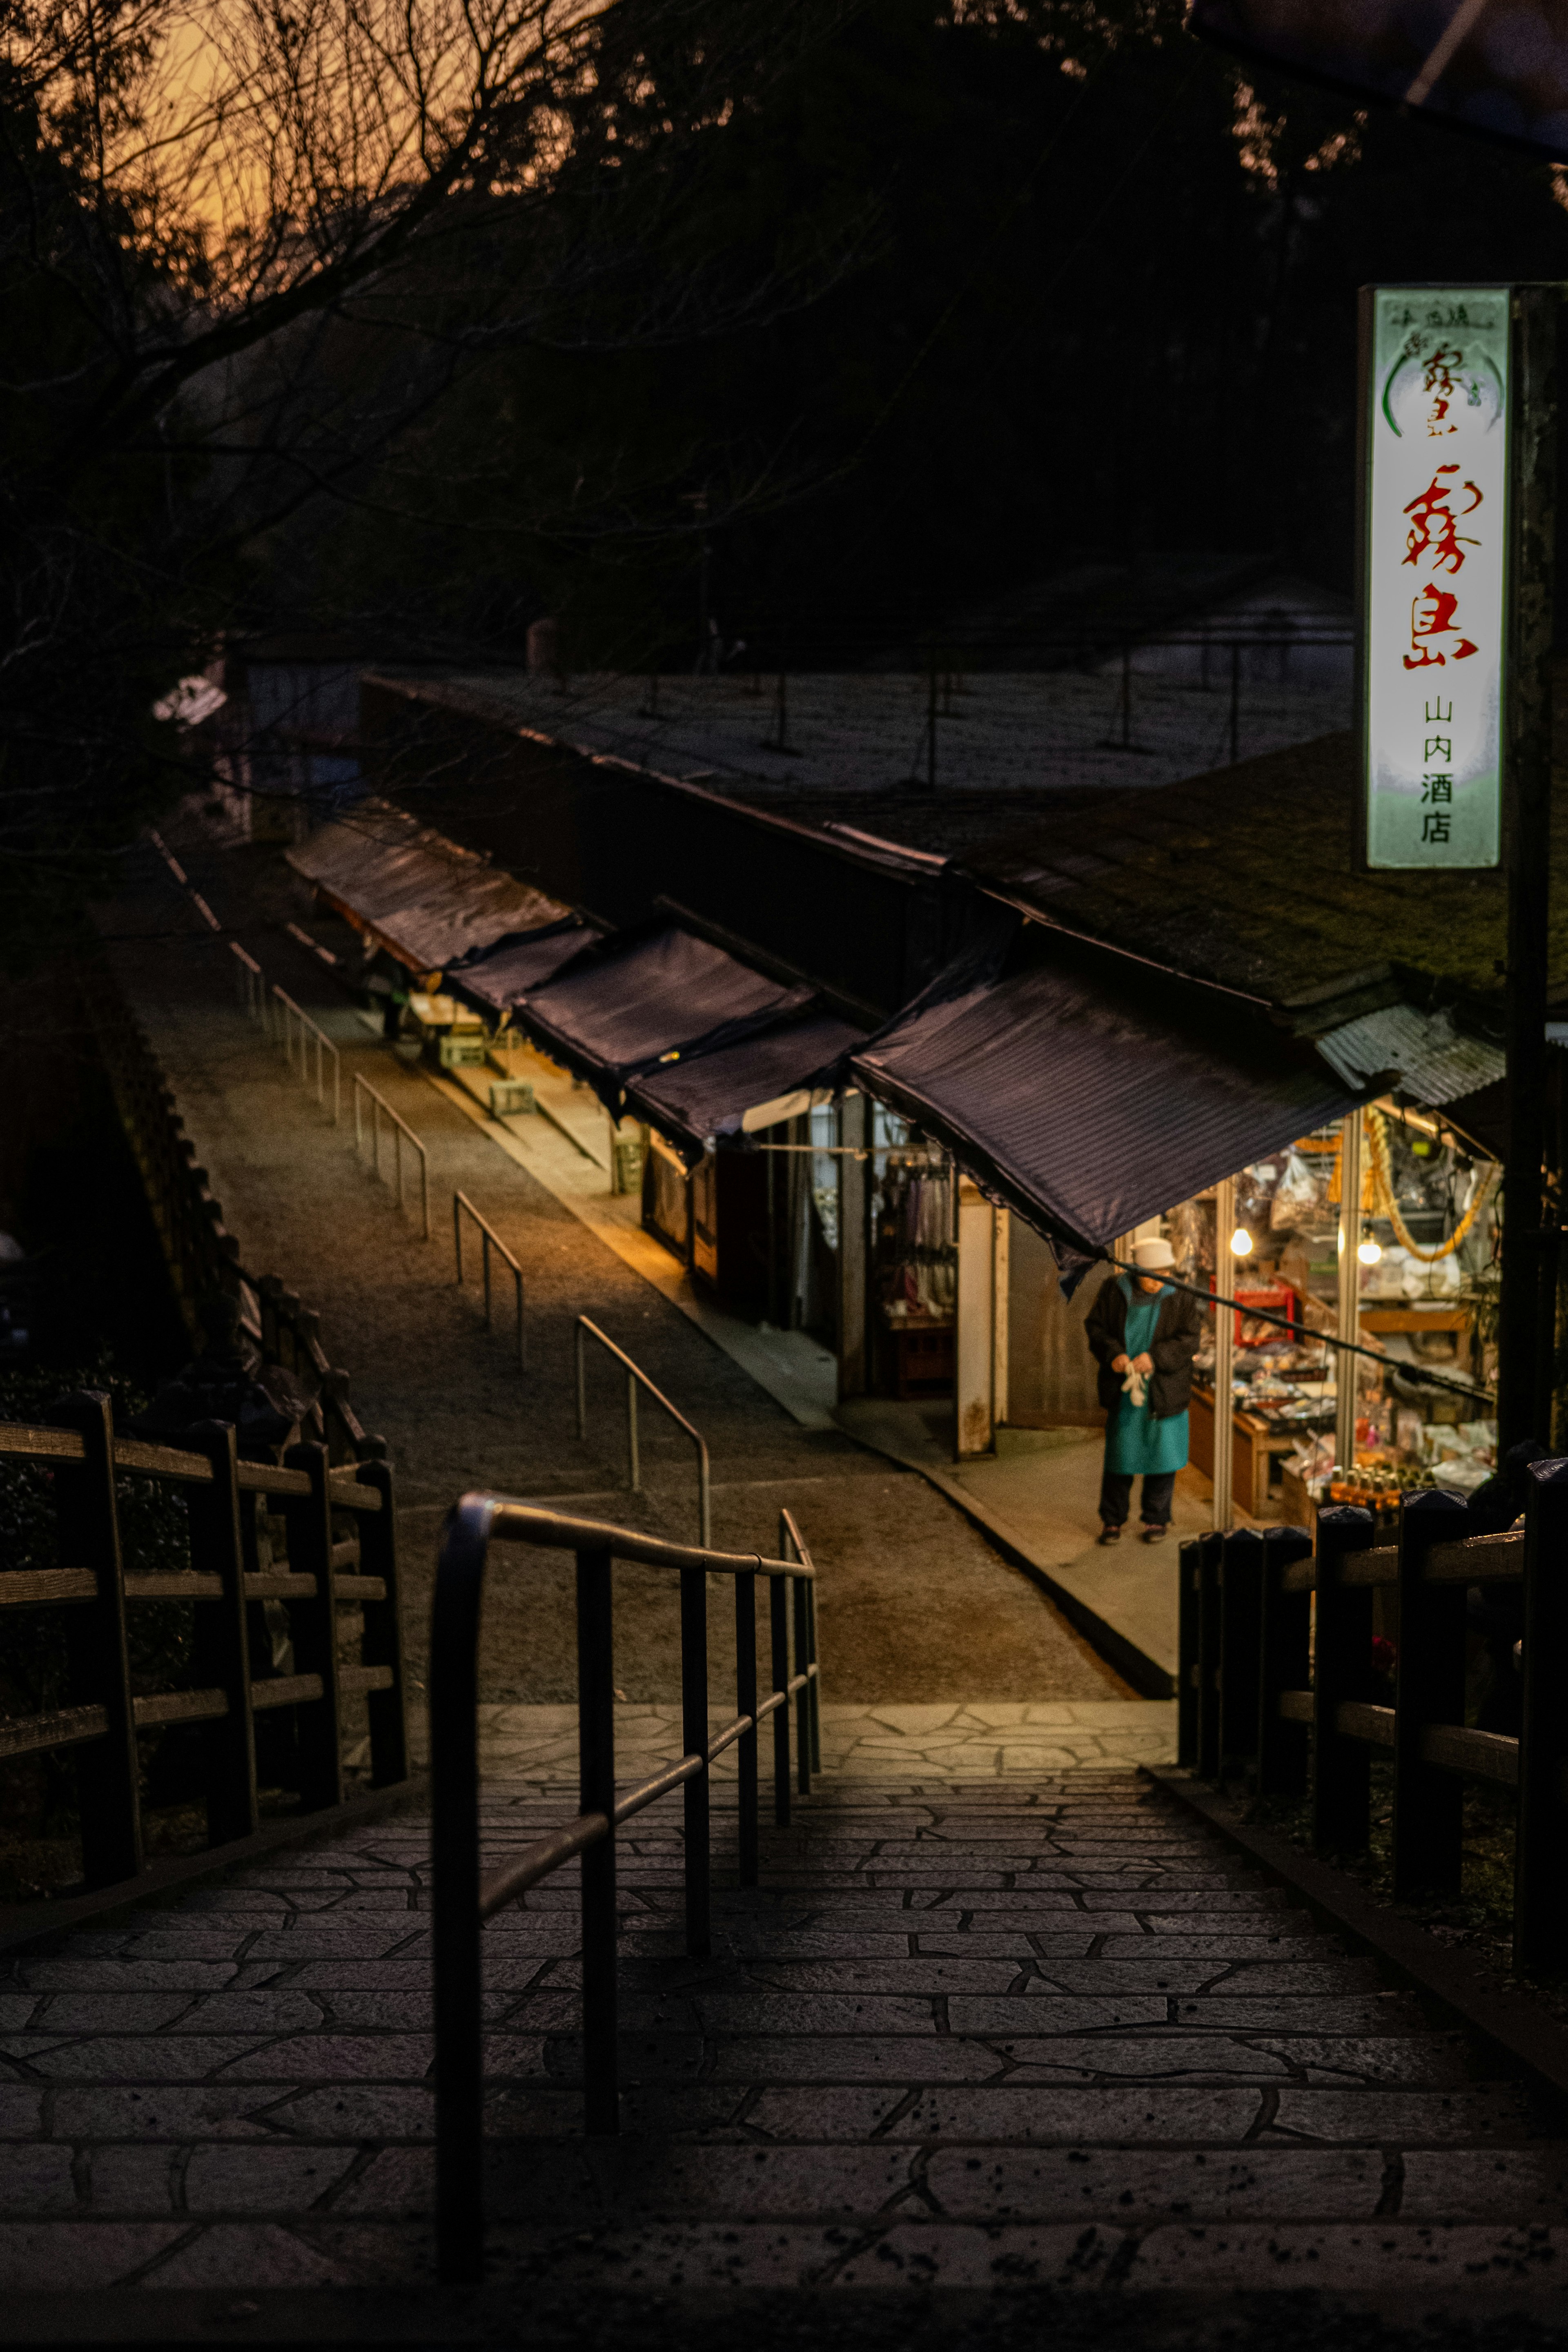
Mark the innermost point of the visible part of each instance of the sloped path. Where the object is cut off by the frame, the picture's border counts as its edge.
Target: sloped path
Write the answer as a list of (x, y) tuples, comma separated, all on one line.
[(922, 1609), (974, 2033)]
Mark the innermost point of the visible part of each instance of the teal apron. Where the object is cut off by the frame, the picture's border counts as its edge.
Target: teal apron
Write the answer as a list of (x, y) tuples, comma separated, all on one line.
[(1136, 1444)]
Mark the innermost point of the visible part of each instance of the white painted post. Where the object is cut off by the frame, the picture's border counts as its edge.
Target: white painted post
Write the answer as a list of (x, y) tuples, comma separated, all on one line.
[(974, 1337), (1000, 1256)]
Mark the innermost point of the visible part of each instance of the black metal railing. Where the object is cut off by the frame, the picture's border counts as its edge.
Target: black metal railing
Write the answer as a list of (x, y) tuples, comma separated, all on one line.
[(466, 1895), (1284, 1685), (338, 1549)]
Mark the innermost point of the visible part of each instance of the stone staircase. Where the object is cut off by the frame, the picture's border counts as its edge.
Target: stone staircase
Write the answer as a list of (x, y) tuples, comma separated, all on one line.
[(975, 2034)]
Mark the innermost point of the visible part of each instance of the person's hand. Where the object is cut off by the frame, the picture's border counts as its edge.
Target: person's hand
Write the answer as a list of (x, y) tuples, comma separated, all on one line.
[(1144, 1363), (1119, 1363)]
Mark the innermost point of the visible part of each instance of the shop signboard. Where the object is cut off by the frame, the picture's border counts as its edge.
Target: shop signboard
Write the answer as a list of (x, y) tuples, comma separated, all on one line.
[(1433, 573)]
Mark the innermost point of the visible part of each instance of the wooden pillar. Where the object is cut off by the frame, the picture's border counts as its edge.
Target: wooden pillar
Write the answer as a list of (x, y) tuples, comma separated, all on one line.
[(1349, 1326), (1527, 849), (974, 1338), (1224, 1355), (1541, 1882)]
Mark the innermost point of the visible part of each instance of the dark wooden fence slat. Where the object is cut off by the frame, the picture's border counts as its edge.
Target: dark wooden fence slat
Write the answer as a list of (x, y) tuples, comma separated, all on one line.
[(383, 1641), (98, 1662), (1240, 1630), (1189, 1575), (222, 1644), (1428, 1804), (1211, 1549), (1540, 1876), (309, 1522), (1284, 1649), (1342, 1783)]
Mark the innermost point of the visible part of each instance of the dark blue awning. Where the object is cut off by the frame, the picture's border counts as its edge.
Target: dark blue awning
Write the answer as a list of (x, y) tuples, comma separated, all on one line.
[(648, 997), (739, 1088), (495, 977), (1085, 1111)]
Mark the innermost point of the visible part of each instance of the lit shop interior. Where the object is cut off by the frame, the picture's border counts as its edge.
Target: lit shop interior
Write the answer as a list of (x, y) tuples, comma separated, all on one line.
[(1404, 1263)]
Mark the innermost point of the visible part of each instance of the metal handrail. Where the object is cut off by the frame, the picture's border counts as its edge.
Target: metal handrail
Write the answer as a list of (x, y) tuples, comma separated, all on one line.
[(322, 1043), (792, 1546), (465, 1896), (251, 984), (491, 1240), (636, 1378), (399, 1128)]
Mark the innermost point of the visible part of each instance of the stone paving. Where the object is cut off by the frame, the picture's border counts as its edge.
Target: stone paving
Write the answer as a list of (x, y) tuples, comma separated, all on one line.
[(971, 2033)]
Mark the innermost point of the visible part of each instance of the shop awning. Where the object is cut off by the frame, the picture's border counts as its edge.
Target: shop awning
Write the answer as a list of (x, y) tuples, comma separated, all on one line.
[(494, 978), (776, 1074), (411, 891), (646, 997), (1083, 1110)]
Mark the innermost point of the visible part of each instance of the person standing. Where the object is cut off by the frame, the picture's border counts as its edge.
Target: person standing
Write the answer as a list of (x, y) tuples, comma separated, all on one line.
[(1145, 1334)]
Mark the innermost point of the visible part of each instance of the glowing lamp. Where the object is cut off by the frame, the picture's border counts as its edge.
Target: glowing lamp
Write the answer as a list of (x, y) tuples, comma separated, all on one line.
[(1241, 1243), (1368, 1250)]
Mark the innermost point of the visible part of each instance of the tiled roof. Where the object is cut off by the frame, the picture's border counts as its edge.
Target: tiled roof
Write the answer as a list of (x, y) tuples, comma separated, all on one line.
[(1244, 878)]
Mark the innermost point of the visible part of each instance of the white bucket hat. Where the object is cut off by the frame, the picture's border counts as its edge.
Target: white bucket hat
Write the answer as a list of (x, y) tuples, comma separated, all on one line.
[(1153, 1257)]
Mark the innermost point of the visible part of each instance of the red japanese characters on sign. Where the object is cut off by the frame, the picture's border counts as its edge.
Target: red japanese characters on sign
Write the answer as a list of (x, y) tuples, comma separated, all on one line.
[(1434, 571)]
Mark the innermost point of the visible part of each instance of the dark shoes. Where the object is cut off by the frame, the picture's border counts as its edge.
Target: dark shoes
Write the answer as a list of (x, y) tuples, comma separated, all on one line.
[(1110, 1534), (1155, 1535)]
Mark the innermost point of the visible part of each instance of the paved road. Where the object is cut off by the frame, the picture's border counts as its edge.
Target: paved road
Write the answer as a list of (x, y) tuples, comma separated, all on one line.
[(969, 2033), (916, 1605)]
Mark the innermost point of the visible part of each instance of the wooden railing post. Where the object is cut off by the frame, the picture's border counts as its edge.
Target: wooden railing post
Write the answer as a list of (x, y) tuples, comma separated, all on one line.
[(383, 1643), (308, 1519), (1189, 1574), (1541, 1879), (596, 1794), (1284, 1647), (222, 1645), (1428, 1804), (1240, 1625), (1210, 1548), (1342, 1787), (98, 1664)]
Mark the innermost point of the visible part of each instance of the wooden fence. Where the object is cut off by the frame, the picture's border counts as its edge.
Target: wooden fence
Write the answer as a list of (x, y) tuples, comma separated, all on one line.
[(340, 1550), (203, 1255), (1280, 1686)]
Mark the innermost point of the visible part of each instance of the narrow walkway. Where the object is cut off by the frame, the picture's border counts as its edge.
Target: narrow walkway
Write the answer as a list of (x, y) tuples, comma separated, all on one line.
[(999, 2033), (917, 1606)]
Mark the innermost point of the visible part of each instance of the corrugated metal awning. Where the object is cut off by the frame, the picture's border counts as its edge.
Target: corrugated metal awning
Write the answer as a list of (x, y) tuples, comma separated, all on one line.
[(776, 1074), (648, 997), (495, 979), (1421, 1053), (417, 894), (1086, 1112)]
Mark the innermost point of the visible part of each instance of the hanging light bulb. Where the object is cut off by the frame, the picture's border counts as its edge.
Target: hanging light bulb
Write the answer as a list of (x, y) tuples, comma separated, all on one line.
[(1241, 1243), (1368, 1249)]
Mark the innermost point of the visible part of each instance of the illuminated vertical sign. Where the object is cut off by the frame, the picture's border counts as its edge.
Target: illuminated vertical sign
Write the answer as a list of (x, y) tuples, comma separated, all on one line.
[(1433, 573)]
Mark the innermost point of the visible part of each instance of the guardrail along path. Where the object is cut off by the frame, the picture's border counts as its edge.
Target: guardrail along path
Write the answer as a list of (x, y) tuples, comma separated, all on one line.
[(1001, 2033)]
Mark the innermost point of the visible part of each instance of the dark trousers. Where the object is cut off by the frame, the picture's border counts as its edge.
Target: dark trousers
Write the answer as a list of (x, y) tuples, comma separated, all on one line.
[(1116, 1496)]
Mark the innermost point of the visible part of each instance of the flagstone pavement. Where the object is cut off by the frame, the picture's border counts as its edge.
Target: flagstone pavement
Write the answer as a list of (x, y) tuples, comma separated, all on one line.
[(975, 2028)]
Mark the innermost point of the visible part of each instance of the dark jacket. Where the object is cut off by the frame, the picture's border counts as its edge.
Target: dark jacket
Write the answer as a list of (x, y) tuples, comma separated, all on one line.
[(1172, 1347)]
